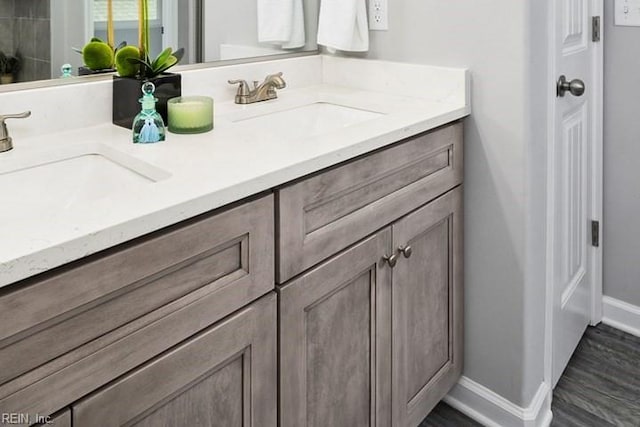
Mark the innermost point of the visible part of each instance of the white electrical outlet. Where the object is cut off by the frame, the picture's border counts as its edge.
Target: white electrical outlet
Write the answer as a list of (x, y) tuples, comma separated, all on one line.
[(378, 15), (627, 13)]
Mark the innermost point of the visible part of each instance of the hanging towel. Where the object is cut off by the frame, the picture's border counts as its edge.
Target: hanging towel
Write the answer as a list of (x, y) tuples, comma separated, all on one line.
[(342, 25), (281, 22)]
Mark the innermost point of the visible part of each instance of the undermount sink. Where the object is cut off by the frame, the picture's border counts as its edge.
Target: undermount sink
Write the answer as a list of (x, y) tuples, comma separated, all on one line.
[(68, 178), (308, 120)]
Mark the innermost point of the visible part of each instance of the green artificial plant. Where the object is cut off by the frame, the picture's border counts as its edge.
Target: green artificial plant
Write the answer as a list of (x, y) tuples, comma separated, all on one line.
[(134, 61), (129, 60), (97, 54)]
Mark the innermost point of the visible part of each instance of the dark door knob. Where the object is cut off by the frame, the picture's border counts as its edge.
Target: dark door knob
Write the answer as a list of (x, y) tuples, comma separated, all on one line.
[(575, 87)]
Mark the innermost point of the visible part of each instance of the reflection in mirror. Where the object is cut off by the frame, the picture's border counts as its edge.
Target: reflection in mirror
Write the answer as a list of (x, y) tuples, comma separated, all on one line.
[(41, 34)]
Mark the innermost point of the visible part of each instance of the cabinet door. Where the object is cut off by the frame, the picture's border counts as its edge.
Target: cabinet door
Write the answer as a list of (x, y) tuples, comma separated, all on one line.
[(225, 376), (335, 341), (427, 308)]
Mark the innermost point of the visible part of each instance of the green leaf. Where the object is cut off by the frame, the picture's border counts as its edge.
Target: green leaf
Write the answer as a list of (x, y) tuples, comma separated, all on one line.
[(179, 54), (161, 58), (162, 63), (145, 67), (170, 62), (120, 46), (138, 61)]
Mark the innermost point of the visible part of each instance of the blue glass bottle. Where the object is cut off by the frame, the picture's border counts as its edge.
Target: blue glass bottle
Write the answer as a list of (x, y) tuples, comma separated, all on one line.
[(148, 126), (66, 70)]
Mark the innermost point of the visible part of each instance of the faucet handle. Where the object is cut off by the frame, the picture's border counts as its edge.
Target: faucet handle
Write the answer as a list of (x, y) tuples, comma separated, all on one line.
[(5, 139), (243, 89), (24, 115)]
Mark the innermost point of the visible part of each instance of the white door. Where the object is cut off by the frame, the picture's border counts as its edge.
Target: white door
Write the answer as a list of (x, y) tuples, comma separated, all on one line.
[(575, 169)]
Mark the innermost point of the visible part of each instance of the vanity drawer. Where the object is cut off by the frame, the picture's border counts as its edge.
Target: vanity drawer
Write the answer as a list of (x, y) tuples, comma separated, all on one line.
[(225, 375), (227, 255), (325, 213)]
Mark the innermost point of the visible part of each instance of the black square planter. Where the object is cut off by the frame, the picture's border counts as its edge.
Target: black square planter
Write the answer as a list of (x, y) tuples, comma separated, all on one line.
[(127, 91)]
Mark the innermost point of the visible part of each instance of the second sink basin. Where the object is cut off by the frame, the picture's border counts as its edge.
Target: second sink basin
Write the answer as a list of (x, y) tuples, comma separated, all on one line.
[(308, 120)]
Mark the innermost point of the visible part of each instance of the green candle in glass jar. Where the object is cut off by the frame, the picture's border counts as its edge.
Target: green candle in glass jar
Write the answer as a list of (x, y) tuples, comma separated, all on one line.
[(190, 114)]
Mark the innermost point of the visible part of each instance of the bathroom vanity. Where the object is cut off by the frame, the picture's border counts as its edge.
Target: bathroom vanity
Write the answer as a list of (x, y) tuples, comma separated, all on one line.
[(322, 287)]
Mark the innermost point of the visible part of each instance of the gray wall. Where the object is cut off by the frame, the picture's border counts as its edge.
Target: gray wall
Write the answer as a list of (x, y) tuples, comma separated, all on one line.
[(621, 232), (232, 22), (67, 31), (186, 38), (539, 87), (235, 22), (505, 153)]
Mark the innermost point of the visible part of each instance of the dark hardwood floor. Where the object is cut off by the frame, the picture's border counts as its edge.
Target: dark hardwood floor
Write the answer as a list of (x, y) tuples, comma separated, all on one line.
[(599, 388), (601, 385), (444, 415)]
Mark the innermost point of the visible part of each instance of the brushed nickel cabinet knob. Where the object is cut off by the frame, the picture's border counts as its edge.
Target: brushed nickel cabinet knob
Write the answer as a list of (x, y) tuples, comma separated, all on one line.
[(392, 260), (406, 251)]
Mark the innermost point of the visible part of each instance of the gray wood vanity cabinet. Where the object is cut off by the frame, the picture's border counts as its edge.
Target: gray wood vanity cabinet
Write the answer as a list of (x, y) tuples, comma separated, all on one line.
[(77, 328), (427, 313), (323, 214), (335, 341), (363, 344), (373, 336), (61, 419), (181, 327), (224, 376)]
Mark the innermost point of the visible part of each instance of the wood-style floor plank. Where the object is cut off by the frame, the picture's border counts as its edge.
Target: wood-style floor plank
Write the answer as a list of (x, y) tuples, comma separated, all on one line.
[(601, 385), (599, 388), (444, 415), (569, 415)]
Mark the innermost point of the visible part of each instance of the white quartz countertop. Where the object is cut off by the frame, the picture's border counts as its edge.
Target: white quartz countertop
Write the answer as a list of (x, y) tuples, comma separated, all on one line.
[(194, 174)]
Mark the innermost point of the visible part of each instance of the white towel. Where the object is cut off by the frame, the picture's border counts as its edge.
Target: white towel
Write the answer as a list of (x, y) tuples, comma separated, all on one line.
[(281, 22), (343, 25)]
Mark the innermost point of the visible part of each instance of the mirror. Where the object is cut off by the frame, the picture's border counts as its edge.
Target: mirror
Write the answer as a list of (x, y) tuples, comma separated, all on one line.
[(41, 34)]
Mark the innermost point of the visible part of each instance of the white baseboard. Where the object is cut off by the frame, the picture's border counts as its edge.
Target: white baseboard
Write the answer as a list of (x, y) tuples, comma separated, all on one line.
[(493, 410), (621, 315)]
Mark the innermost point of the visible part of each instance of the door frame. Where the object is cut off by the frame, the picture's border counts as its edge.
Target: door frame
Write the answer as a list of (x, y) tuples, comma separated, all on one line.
[(596, 207), (64, 35), (170, 24)]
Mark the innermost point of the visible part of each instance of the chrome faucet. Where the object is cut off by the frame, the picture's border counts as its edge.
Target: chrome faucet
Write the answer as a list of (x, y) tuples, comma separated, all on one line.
[(262, 92), (5, 139)]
